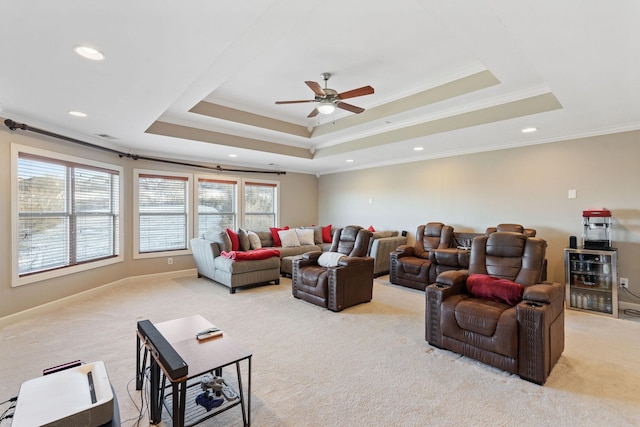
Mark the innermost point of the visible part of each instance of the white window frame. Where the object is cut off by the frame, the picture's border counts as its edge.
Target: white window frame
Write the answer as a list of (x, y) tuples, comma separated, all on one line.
[(136, 214), (196, 198), (16, 280), (276, 184)]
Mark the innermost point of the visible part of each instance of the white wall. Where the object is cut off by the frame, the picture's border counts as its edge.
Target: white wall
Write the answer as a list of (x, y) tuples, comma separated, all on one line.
[(527, 185)]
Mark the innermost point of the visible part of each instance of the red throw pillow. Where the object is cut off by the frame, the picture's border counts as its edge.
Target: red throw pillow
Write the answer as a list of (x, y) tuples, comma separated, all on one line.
[(235, 241), (326, 234), (371, 229), (275, 236), (495, 289)]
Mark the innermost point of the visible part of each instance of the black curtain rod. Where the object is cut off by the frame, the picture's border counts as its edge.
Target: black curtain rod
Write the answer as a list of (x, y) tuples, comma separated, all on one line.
[(13, 126)]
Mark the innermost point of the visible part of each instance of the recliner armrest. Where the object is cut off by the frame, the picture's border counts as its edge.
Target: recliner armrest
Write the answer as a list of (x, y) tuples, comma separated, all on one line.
[(541, 332), (313, 255), (544, 292), (348, 261), (403, 250), (452, 278)]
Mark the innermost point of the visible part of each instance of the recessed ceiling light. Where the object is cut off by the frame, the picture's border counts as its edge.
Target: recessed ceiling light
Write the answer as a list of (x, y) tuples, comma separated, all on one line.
[(233, 155), (349, 161), (529, 130), (89, 53), (418, 148), (77, 114)]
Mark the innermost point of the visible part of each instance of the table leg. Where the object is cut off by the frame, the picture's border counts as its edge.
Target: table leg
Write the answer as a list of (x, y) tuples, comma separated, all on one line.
[(179, 402), (249, 394), (154, 392), (241, 392)]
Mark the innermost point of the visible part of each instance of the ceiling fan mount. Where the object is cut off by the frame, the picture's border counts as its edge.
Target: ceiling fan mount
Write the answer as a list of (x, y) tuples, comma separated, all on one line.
[(329, 99)]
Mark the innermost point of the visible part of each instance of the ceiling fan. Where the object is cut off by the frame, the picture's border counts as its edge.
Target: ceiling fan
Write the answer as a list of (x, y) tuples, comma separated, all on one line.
[(328, 99)]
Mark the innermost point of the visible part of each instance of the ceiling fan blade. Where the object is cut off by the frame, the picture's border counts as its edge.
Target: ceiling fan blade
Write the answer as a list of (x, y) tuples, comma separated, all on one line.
[(295, 102), (364, 90), (349, 107), (313, 113), (316, 88)]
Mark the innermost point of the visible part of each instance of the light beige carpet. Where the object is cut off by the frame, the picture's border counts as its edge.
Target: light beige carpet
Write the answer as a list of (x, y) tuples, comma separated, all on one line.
[(368, 365)]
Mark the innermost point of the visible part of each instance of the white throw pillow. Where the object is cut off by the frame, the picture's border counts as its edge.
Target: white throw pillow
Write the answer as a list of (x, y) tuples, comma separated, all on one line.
[(289, 238), (305, 236), (330, 259), (254, 240)]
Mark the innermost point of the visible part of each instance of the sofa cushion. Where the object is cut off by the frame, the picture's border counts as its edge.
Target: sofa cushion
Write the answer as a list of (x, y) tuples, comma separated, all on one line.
[(254, 240), (243, 238), (231, 266), (494, 289), (275, 236), (219, 237), (317, 233), (326, 234), (235, 242), (288, 238), (306, 236), (266, 238)]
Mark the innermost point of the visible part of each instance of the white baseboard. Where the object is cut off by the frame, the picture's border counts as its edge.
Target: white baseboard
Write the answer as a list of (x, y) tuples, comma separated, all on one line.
[(627, 306), (62, 301)]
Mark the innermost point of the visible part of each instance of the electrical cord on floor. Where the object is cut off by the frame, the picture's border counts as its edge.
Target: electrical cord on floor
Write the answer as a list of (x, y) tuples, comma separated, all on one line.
[(6, 415), (143, 408), (631, 312)]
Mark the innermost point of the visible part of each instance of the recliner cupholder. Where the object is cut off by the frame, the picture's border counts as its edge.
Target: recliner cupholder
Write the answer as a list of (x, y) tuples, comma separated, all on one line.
[(440, 285)]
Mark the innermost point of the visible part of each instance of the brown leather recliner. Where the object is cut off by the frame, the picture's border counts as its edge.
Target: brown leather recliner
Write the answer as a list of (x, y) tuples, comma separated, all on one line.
[(339, 286), (410, 265), (526, 338)]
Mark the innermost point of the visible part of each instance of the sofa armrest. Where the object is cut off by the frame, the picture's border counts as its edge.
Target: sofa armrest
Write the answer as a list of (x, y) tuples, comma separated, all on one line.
[(204, 253), (380, 250)]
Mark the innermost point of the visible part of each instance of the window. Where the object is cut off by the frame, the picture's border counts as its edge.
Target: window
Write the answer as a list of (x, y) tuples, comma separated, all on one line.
[(162, 212), (67, 212), (217, 204), (260, 205)]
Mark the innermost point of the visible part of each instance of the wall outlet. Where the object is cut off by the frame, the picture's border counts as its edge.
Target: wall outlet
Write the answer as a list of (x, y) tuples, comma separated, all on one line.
[(624, 282), (169, 260)]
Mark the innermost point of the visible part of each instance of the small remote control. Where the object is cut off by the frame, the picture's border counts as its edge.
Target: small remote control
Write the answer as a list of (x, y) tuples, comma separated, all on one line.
[(228, 392), (208, 333)]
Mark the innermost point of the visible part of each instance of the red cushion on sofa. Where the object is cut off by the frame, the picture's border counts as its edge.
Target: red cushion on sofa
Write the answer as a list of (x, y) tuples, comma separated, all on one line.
[(495, 289), (371, 229), (235, 241), (275, 236), (326, 234)]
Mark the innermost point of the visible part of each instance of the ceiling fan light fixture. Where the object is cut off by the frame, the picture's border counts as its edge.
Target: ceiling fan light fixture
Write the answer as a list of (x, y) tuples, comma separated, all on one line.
[(326, 107)]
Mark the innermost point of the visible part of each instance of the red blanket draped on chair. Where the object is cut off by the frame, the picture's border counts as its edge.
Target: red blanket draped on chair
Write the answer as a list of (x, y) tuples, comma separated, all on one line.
[(254, 254)]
